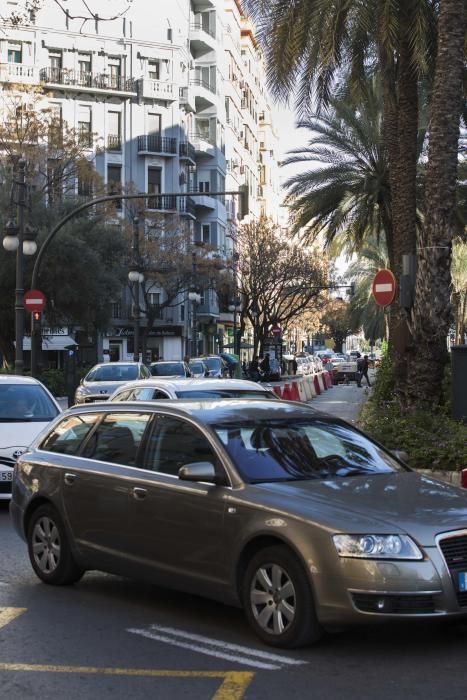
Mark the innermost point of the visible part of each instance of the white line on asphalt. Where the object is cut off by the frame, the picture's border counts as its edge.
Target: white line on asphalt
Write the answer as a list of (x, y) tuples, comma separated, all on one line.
[(156, 631)]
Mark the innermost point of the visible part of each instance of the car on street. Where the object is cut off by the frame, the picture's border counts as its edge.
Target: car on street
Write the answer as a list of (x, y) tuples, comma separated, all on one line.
[(292, 514), (171, 388), (26, 408), (217, 366), (198, 369), (164, 368), (105, 377)]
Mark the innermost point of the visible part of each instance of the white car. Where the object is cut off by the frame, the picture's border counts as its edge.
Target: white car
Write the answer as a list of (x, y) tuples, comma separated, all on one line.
[(26, 408), (161, 388)]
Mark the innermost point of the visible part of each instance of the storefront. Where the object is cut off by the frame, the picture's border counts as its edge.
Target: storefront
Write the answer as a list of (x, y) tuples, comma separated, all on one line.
[(160, 342)]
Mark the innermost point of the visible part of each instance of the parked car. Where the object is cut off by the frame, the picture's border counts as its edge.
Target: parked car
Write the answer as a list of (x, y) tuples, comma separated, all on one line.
[(270, 505), (198, 369), (163, 388), (217, 366), (26, 408), (175, 368), (104, 378)]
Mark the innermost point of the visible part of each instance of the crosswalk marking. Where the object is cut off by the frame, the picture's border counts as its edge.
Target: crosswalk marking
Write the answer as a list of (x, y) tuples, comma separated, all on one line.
[(7, 615)]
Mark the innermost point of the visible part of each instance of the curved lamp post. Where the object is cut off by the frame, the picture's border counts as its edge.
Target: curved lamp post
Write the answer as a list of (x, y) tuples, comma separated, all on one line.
[(20, 238), (136, 278)]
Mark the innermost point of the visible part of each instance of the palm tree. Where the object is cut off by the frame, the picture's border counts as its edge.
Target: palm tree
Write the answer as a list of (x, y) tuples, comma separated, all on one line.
[(432, 305), (459, 289), (350, 190)]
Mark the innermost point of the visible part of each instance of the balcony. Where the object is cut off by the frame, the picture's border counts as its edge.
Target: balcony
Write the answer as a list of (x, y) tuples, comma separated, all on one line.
[(186, 207), (98, 83), (204, 201), (154, 143), (114, 143), (18, 73), (202, 144), (187, 99), (202, 40), (161, 202), (157, 90), (205, 94), (186, 151)]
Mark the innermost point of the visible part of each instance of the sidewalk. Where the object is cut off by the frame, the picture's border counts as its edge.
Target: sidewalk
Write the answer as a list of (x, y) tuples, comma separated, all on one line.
[(343, 400)]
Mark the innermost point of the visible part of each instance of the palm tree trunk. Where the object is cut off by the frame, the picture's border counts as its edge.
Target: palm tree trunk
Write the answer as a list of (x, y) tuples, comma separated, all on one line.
[(432, 307), (400, 94)]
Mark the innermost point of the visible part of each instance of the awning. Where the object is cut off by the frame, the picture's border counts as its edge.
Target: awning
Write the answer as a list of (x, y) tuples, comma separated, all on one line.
[(51, 342)]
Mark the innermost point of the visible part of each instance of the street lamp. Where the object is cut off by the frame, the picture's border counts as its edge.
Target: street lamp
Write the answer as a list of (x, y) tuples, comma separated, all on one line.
[(195, 299), (136, 278), (235, 306), (20, 238)]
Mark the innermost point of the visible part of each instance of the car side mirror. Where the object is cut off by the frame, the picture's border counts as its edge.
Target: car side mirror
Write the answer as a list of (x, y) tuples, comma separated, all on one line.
[(198, 471), (400, 454)]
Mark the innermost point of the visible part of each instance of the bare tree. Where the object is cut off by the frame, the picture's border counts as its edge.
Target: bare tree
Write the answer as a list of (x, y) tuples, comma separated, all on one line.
[(25, 12)]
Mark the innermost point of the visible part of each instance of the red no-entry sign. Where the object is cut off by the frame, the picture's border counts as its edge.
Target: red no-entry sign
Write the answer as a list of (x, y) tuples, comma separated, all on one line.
[(384, 287), (34, 300)]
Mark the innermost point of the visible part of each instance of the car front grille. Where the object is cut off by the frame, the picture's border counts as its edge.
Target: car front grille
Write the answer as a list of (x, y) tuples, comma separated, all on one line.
[(7, 462), (418, 604), (454, 550)]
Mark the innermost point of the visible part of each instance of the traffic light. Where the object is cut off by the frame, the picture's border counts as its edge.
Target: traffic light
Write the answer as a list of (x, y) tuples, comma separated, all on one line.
[(36, 320), (244, 202)]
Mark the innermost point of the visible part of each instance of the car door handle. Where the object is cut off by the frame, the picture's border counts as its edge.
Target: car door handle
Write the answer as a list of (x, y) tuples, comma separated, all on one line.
[(139, 494), (70, 479)]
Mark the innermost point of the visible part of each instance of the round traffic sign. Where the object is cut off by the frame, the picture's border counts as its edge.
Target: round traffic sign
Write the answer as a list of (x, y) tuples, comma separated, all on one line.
[(34, 300), (384, 287), (276, 330)]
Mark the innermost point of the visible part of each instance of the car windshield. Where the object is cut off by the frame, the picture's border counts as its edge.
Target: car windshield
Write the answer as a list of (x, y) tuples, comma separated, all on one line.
[(112, 373), (306, 449), (167, 369), (212, 362), (25, 403), (225, 394)]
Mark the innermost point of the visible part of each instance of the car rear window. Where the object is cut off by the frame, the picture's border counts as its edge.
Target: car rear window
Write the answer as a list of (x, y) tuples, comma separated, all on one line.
[(167, 369)]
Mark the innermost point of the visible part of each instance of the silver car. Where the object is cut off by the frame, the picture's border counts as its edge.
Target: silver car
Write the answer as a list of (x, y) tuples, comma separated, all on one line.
[(104, 378), (168, 388), (293, 515)]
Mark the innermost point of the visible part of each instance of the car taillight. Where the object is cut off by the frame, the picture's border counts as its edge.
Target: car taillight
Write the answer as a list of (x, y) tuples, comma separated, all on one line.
[(464, 478)]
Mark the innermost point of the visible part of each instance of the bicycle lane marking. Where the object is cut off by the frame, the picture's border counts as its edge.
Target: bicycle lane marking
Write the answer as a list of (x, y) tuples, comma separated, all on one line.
[(233, 686), (7, 615)]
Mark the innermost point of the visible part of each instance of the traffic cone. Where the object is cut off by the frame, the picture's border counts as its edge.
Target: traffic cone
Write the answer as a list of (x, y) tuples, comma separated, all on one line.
[(316, 384), (286, 393), (294, 395)]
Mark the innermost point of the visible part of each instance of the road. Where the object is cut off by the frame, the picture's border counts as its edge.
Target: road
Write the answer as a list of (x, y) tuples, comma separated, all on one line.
[(114, 639)]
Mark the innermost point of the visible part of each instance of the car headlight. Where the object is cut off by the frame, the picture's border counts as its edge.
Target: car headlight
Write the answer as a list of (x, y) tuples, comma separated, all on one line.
[(376, 546)]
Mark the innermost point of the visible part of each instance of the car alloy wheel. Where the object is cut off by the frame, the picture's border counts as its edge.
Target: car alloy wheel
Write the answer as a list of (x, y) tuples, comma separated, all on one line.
[(273, 599), (49, 550), (46, 545), (278, 599)]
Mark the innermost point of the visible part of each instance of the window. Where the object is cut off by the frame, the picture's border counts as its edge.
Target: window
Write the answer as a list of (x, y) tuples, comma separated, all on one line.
[(84, 67), (85, 188), (154, 187), (15, 53), (206, 233), (54, 181), (55, 125), (116, 309), (174, 443), (55, 65), (115, 72), (114, 141), (154, 123), (114, 181), (85, 126), (68, 435), (204, 186), (117, 438), (154, 69)]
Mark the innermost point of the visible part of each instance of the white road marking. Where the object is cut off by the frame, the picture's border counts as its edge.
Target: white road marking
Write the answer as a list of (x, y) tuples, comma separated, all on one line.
[(386, 287), (217, 647)]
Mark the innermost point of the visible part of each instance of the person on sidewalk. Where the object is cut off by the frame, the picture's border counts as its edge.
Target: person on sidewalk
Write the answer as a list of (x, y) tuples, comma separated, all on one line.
[(362, 370)]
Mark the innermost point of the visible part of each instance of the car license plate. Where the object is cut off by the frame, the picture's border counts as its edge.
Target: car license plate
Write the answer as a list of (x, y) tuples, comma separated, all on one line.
[(462, 580), (6, 476)]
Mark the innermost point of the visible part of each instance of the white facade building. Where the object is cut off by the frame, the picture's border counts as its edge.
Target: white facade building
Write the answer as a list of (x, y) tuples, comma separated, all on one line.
[(175, 93)]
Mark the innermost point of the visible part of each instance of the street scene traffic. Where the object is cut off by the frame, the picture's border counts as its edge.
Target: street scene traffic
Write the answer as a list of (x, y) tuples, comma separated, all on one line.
[(233, 349)]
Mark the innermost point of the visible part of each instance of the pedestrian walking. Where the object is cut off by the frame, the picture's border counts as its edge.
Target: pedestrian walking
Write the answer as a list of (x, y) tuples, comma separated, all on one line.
[(362, 370), (294, 366)]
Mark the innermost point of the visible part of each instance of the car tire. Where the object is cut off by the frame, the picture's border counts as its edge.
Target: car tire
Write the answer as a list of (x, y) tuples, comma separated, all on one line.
[(49, 550), (278, 599)]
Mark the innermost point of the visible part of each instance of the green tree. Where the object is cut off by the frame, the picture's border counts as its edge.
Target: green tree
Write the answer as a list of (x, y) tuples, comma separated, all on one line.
[(364, 312), (459, 290), (338, 322)]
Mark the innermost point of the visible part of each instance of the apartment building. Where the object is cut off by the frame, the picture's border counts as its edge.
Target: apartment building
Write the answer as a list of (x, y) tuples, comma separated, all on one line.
[(174, 94)]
